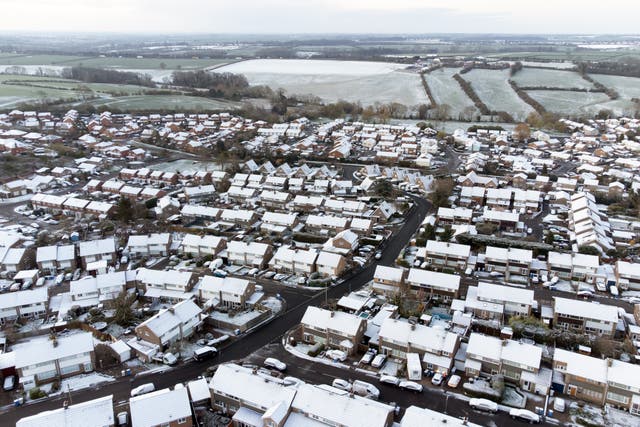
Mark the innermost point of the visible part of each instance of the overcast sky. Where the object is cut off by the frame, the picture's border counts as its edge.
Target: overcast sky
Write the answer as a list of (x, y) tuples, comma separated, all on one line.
[(322, 16)]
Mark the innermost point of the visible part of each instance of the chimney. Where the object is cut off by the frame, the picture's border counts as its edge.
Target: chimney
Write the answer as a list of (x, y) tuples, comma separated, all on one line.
[(65, 404), (332, 314), (171, 310)]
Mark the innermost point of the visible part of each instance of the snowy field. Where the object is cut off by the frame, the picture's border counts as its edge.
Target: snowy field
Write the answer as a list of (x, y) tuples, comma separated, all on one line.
[(558, 65), (366, 82), (551, 78), (446, 90), (569, 102), (627, 87), (492, 86)]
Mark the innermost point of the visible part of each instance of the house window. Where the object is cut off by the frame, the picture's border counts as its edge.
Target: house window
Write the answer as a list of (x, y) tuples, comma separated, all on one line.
[(182, 420)]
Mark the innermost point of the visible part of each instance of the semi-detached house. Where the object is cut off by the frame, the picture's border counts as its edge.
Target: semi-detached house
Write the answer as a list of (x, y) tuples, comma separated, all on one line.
[(332, 328), (297, 261), (249, 254), (436, 346), (584, 317), (495, 302), (23, 304), (444, 255), (432, 284), (157, 244), (172, 324)]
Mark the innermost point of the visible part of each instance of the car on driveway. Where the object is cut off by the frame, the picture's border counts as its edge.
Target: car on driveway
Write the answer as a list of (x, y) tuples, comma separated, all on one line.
[(454, 381), (336, 355), (411, 386), (485, 405), (271, 362), (524, 415), (378, 361), (368, 357), (437, 379)]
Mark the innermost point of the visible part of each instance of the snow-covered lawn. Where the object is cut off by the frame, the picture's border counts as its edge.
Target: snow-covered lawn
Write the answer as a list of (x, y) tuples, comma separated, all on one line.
[(84, 381), (590, 415)]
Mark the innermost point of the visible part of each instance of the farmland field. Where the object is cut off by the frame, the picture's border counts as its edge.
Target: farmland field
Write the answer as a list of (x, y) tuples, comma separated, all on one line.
[(493, 88), (165, 102), (110, 62), (627, 87), (365, 82), (533, 77), (570, 103), (446, 90)]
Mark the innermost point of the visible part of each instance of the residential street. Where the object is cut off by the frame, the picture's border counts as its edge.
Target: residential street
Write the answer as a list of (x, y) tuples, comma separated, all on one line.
[(257, 339)]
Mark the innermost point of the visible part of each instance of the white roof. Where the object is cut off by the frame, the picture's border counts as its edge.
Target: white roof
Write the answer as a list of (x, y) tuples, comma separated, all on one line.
[(252, 248), (328, 259), (624, 373), (257, 390), (97, 247), (41, 349), (339, 408), (198, 390), (93, 413), (625, 268), (458, 250), (159, 407), (509, 254), (388, 273), (433, 278), (581, 365), (521, 353), (421, 417), (295, 255), (586, 309), (167, 319), (432, 339), (160, 277), (150, 239), (485, 346), (16, 299), (491, 292), (227, 284), (320, 319)]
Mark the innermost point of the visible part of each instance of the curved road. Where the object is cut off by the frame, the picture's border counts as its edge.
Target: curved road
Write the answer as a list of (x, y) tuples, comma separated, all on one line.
[(248, 344)]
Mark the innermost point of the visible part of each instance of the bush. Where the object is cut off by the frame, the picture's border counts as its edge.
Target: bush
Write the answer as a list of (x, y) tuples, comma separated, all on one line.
[(36, 393)]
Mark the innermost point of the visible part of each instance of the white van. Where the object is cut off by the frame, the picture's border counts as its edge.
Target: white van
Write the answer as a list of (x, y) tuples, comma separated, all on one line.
[(143, 389)]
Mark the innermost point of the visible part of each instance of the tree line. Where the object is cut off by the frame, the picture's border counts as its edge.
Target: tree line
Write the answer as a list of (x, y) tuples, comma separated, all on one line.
[(101, 75)]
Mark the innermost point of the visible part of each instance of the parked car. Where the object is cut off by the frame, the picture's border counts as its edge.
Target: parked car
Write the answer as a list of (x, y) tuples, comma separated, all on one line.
[(454, 381), (336, 355), (368, 356), (437, 379), (204, 353), (485, 405), (524, 415), (559, 404), (9, 383), (123, 419), (341, 384), (271, 362), (389, 379), (378, 361), (378, 255), (143, 389), (411, 386), (365, 389)]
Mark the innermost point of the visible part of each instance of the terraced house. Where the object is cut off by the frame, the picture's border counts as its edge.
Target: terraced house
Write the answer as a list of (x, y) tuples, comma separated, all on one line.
[(332, 328), (440, 286)]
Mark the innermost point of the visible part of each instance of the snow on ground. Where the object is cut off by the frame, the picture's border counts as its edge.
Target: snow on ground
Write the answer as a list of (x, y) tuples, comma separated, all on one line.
[(273, 303), (514, 398), (84, 381), (365, 82)]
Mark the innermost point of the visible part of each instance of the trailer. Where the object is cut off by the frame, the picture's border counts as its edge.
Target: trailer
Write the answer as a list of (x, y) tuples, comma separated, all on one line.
[(414, 367)]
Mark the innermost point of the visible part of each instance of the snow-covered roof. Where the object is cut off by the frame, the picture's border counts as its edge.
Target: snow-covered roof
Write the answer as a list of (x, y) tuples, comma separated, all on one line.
[(581, 365), (160, 407), (426, 338), (320, 319), (93, 413), (167, 319), (42, 350), (500, 293), (586, 309), (97, 247), (388, 273), (455, 249), (435, 279)]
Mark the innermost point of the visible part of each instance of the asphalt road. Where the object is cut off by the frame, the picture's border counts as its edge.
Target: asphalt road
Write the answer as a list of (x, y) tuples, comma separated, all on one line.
[(271, 332)]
